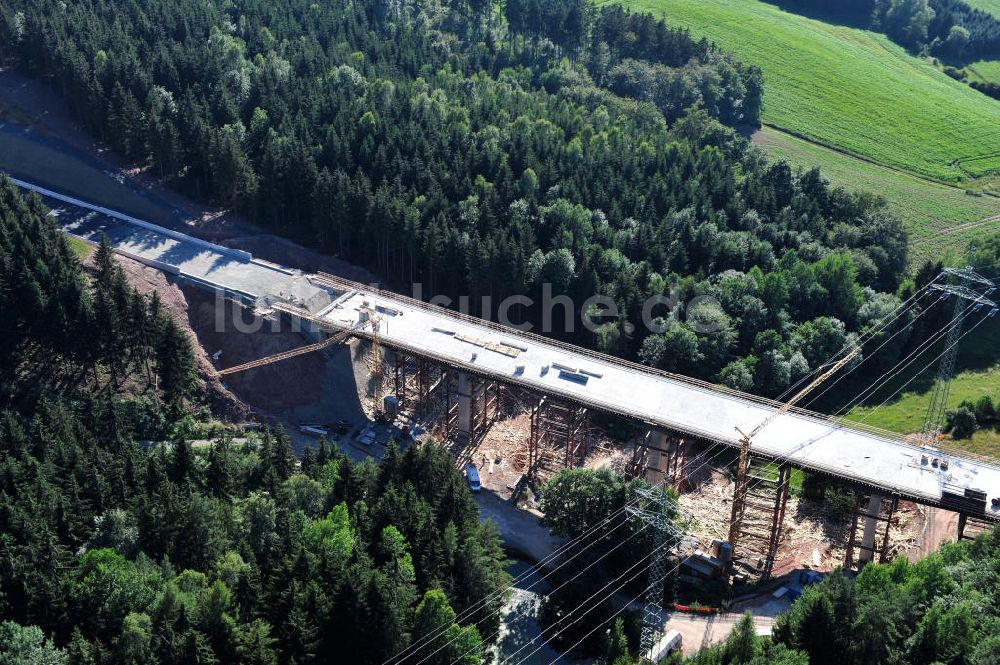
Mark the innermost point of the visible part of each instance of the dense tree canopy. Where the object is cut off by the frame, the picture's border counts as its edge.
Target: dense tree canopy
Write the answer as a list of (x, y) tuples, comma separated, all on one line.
[(951, 29), (548, 145), (593, 504), (112, 552), (66, 332), (942, 609)]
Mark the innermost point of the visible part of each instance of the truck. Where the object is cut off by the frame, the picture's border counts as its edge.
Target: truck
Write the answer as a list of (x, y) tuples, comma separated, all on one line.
[(472, 477), (804, 579)]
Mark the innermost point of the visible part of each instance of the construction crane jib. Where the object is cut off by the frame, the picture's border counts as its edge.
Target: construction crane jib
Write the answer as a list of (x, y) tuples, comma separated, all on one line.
[(833, 369), (746, 438)]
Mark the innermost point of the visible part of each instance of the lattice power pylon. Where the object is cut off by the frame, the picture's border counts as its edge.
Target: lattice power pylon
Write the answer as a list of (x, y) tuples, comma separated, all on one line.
[(969, 289), (659, 510)]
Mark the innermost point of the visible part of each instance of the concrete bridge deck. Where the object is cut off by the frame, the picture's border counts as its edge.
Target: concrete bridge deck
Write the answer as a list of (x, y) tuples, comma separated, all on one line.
[(810, 441)]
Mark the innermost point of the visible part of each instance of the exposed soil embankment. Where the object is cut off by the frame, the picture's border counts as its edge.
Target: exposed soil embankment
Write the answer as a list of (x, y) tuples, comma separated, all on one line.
[(42, 143), (314, 387), (320, 387), (220, 399)]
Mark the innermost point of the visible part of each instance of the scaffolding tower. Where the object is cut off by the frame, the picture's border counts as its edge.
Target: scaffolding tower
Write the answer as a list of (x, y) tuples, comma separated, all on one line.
[(759, 503), (560, 436)]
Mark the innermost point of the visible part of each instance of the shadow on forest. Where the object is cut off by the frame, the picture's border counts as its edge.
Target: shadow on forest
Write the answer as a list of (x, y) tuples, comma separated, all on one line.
[(861, 20)]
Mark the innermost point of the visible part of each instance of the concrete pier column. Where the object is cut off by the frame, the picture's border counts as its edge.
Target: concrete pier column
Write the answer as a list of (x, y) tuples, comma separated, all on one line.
[(658, 454), (464, 405), (867, 550)]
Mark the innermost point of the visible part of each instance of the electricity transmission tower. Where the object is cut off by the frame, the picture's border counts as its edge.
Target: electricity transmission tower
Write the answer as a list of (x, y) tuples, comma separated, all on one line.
[(970, 289), (657, 509)]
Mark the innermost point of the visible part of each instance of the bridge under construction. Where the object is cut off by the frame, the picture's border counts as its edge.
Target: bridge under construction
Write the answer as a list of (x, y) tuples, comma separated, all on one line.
[(474, 361)]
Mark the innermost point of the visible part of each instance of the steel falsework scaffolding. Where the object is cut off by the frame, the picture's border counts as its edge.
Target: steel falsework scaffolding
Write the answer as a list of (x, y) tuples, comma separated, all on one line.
[(414, 379), (560, 436), (760, 498)]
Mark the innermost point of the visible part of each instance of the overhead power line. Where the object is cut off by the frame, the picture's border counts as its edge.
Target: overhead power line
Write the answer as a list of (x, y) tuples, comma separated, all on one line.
[(973, 288)]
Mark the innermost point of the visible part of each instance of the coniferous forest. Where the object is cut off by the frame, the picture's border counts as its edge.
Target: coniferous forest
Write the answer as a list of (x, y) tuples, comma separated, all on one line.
[(113, 550), (942, 609), (486, 149)]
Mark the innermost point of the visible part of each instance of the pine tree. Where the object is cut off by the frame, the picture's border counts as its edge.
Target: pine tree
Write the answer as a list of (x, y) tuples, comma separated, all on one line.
[(182, 462), (616, 646), (221, 474), (175, 364)]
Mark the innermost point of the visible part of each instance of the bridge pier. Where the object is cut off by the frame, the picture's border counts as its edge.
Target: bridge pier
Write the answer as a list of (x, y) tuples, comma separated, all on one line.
[(464, 402), (972, 526), (486, 406), (660, 458), (477, 406), (867, 549), (871, 512)]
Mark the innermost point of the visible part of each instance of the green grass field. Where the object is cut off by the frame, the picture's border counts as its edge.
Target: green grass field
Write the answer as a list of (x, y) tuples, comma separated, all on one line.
[(906, 414), (979, 375), (991, 6), (933, 212), (79, 247), (848, 88), (984, 70), (980, 167)]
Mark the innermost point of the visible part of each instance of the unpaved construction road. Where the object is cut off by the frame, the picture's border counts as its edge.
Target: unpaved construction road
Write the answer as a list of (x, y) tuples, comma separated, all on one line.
[(699, 631)]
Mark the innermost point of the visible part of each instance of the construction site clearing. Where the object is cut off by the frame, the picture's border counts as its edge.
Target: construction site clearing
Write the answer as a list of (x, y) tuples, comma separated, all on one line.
[(815, 538)]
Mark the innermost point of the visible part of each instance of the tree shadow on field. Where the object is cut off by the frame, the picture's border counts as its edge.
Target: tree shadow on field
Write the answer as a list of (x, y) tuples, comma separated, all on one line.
[(979, 351), (820, 10)]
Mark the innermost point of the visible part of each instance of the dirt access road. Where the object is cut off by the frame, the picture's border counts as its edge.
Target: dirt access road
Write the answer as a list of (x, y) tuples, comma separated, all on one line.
[(699, 631)]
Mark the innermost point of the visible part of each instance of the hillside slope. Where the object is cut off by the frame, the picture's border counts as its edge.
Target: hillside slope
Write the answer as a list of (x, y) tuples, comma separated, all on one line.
[(941, 219), (851, 89)]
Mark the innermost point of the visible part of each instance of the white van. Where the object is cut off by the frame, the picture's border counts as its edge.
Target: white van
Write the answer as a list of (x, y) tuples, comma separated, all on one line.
[(667, 645)]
